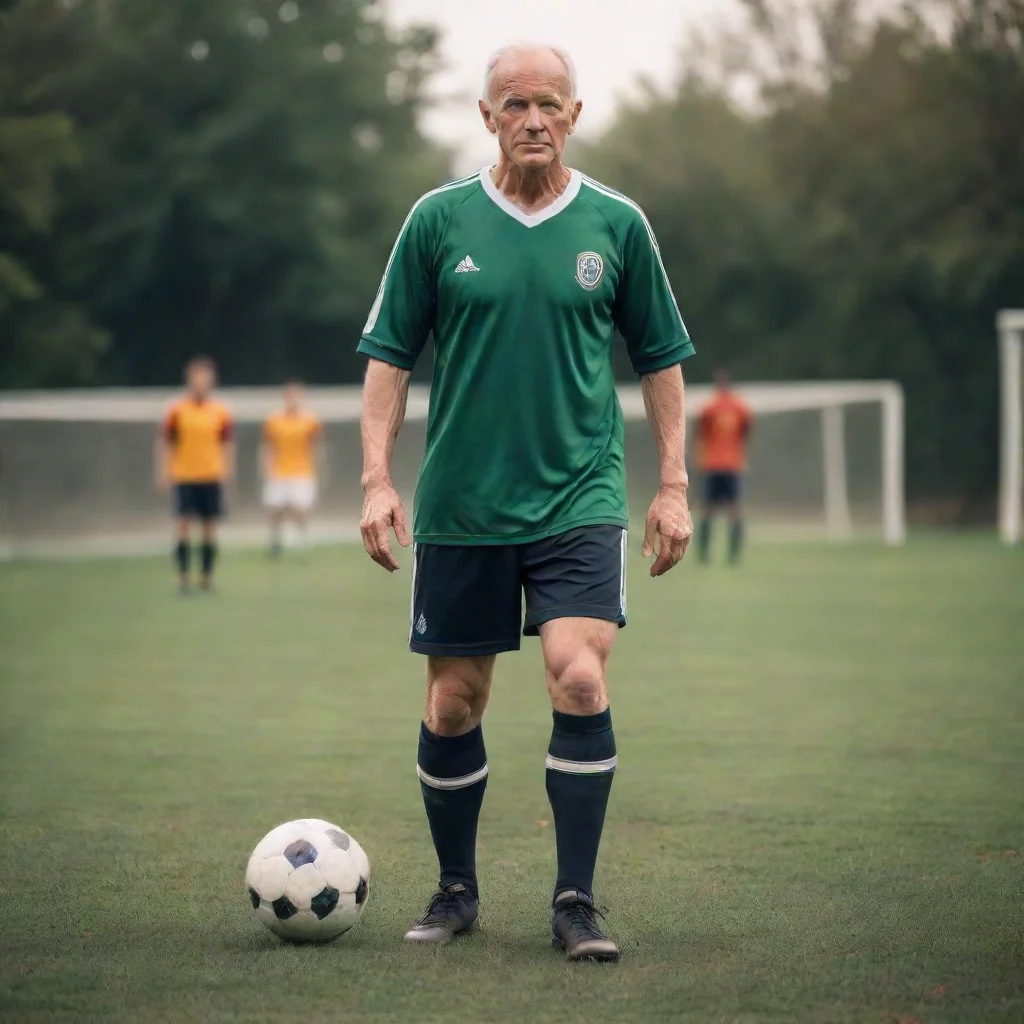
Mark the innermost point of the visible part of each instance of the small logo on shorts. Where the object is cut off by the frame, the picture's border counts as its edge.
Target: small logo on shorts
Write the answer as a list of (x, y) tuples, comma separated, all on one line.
[(589, 270), (421, 625)]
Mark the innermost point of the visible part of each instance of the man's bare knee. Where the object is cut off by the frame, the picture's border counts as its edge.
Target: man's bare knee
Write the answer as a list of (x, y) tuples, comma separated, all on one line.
[(457, 692), (578, 687), (576, 658)]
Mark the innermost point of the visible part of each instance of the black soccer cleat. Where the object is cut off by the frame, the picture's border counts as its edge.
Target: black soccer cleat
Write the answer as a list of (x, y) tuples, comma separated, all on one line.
[(452, 911), (574, 928)]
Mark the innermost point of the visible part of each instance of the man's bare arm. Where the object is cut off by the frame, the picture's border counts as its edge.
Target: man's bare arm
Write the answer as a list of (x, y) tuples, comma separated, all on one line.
[(665, 404), (230, 458), (161, 462), (669, 526), (385, 394)]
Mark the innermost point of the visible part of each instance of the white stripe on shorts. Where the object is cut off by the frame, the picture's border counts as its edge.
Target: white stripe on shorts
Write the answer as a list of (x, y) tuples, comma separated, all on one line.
[(412, 592), (622, 575), (581, 767), (460, 783)]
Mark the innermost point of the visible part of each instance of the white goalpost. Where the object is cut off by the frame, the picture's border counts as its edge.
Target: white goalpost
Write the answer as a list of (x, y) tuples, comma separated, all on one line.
[(76, 466), (1010, 325)]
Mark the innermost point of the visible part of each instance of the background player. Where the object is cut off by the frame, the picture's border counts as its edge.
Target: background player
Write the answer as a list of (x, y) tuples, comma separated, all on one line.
[(195, 451), (722, 436), (288, 458)]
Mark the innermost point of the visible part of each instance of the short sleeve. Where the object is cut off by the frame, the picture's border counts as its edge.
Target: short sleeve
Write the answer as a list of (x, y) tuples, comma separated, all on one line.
[(402, 315), (646, 313)]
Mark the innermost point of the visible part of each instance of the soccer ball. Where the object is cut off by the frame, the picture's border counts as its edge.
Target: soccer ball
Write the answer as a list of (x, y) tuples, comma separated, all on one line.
[(308, 880)]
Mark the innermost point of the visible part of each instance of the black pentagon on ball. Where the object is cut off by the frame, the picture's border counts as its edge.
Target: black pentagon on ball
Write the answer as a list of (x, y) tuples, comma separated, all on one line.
[(284, 908), (300, 852), (255, 897), (362, 891), (339, 838), (324, 902)]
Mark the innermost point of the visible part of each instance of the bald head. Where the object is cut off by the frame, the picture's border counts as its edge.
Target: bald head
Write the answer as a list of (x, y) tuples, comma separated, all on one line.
[(534, 53)]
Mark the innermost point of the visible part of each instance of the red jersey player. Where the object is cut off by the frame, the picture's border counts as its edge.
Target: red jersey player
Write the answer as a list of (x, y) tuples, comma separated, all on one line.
[(722, 437)]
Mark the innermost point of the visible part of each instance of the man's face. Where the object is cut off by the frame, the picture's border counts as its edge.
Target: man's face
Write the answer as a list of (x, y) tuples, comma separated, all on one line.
[(530, 109), (292, 396), (201, 380)]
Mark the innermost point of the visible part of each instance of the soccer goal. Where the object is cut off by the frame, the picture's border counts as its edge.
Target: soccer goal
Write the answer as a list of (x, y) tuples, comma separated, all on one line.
[(1010, 325), (76, 473)]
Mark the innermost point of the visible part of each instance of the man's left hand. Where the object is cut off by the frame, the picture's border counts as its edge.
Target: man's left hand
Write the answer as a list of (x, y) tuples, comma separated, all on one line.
[(669, 528)]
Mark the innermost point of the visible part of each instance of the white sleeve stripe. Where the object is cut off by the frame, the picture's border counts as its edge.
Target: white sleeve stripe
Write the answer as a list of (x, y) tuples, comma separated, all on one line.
[(460, 783), (371, 320), (581, 767), (612, 194)]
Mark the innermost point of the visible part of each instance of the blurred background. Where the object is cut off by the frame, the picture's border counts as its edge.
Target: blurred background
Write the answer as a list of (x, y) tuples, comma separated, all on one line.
[(837, 187)]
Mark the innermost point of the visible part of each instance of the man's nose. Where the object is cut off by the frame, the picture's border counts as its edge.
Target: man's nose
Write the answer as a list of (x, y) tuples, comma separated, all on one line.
[(533, 119)]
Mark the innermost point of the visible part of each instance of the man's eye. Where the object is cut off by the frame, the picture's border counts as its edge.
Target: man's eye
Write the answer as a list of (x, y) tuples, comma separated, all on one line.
[(518, 104)]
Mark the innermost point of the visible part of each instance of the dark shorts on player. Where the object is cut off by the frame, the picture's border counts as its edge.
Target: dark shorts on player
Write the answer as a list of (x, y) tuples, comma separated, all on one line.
[(198, 501), (722, 488), (467, 601)]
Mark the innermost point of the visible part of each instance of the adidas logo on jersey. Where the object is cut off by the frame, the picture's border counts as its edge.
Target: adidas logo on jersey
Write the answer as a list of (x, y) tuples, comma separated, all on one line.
[(466, 266)]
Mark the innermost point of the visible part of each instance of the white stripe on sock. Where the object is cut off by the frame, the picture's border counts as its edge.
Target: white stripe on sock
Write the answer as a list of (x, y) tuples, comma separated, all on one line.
[(581, 767), (460, 783)]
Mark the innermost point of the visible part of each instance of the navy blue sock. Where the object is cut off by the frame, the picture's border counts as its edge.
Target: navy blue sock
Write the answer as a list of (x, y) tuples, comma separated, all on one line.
[(735, 540), (704, 538), (453, 777), (580, 764), (182, 556), (209, 556)]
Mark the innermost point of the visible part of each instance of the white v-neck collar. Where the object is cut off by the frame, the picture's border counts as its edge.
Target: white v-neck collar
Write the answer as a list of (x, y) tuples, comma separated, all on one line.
[(531, 220)]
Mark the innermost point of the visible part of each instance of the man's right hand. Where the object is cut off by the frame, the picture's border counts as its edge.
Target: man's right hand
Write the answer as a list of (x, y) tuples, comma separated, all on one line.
[(162, 481), (382, 512)]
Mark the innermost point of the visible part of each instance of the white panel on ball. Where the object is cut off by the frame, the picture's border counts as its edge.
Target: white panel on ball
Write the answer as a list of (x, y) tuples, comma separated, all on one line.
[(269, 876), (339, 870), (303, 884)]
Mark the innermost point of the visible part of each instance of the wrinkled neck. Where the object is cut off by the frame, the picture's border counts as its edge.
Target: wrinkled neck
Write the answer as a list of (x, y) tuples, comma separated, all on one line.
[(530, 190)]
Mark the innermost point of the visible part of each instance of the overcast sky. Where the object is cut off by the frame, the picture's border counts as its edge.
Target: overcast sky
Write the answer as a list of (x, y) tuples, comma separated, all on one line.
[(611, 41)]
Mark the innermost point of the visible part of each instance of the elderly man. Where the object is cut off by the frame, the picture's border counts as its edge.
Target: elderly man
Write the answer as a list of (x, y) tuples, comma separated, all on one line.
[(522, 272)]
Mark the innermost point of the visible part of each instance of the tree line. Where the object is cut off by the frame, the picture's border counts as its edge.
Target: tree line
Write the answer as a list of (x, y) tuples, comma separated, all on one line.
[(837, 194)]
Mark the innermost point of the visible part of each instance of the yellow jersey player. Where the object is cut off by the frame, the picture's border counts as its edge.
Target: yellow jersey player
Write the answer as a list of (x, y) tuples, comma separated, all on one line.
[(195, 452), (289, 453)]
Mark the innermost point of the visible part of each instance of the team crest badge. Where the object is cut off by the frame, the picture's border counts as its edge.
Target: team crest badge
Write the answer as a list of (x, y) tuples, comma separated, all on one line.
[(589, 270)]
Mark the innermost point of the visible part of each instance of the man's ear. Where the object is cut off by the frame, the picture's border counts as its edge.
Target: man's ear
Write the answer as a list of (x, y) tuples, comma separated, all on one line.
[(577, 109), (485, 113)]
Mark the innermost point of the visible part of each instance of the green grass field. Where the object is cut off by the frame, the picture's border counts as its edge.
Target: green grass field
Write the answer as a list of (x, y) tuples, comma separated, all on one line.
[(817, 815)]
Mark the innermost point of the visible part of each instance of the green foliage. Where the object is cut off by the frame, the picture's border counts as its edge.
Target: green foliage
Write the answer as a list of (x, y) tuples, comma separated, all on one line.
[(865, 220), (243, 168)]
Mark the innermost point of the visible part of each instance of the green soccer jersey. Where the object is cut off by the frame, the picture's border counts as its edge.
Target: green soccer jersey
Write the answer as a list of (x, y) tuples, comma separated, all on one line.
[(524, 432)]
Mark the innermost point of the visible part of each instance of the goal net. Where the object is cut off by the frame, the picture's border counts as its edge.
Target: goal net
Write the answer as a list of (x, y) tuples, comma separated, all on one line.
[(1010, 324), (76, 470)]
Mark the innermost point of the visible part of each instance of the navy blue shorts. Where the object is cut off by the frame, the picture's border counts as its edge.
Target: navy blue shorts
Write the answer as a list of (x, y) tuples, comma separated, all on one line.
[(722, 488), (467, 601), (198, 501)]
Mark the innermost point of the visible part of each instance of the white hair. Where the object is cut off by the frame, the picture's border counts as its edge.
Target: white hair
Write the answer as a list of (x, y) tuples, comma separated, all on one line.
[(498, 55)]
